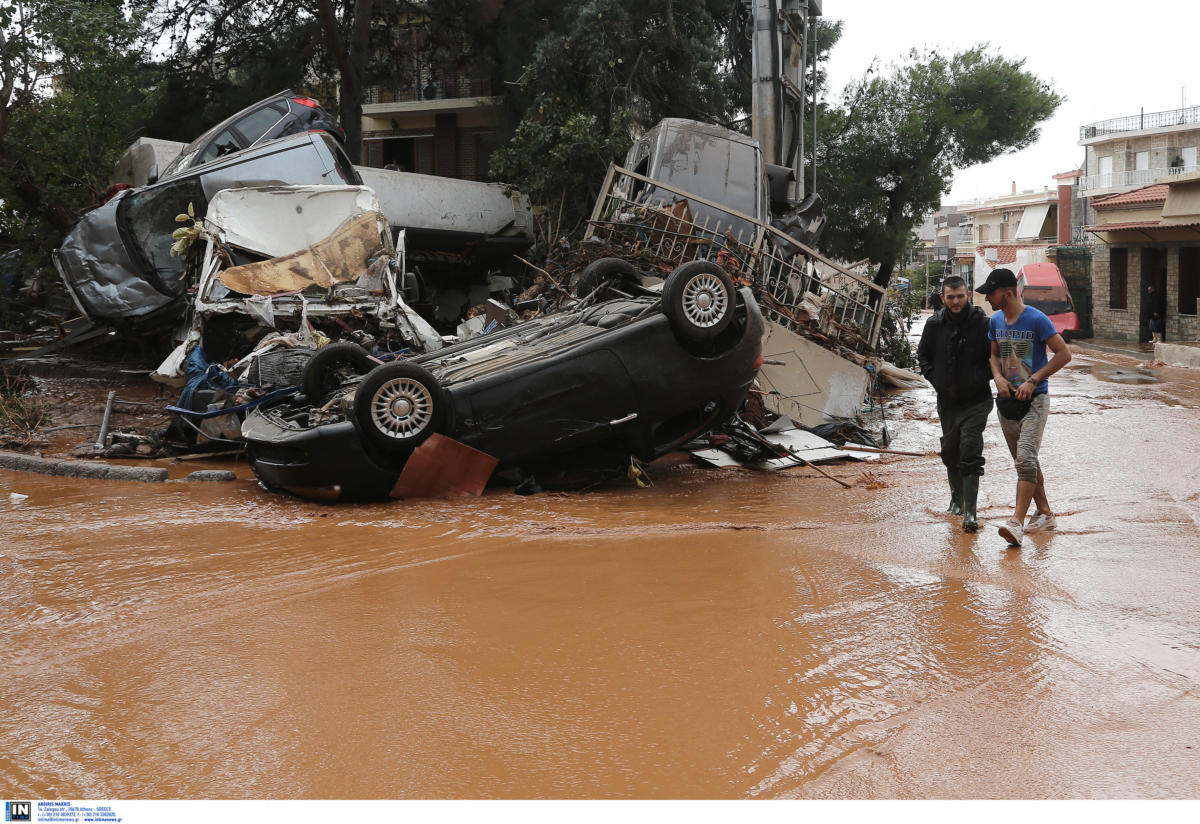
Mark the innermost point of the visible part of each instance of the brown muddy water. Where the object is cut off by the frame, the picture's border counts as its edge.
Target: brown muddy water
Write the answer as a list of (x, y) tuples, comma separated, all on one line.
[(723, 634)]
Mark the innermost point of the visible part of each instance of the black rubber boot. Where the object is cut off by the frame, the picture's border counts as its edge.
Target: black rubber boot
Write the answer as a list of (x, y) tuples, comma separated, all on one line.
[(970, 494), (956, 492)]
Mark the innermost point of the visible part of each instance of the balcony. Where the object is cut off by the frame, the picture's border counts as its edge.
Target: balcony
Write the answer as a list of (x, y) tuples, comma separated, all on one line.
[(453, 87), (1132, 179), (1141, 122)]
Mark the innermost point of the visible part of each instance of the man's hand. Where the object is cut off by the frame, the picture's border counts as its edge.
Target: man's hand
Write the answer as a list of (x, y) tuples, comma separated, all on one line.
[(1025, 390), (1003, 388)]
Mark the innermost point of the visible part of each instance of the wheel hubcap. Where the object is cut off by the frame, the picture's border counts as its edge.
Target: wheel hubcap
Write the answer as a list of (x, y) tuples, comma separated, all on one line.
[(705, 300), (402, 408)]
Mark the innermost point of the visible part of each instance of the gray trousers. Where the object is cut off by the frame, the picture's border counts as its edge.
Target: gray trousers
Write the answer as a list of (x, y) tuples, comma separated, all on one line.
[(962, 435), (1024, 437)]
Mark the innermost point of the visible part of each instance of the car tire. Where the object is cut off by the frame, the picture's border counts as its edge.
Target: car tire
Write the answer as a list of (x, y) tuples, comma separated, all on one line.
[(605, 272), (399, 405), (321, 376), (699, 299)]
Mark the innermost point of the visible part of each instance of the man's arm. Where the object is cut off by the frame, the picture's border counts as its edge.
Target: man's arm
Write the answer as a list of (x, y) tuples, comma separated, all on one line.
[(1003, 387), (925, 351), (1062, 356)]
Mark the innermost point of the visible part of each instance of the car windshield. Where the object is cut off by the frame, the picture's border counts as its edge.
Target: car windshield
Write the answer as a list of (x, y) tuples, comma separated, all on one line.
[(1053, 300), (149, 218), (180, 164)]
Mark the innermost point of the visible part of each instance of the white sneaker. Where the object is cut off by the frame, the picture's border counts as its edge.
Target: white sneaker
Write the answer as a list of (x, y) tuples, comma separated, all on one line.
[(1012, 532), (1042, 520)]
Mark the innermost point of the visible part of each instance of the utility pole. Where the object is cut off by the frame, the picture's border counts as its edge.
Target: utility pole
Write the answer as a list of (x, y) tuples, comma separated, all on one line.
[(779, 51)]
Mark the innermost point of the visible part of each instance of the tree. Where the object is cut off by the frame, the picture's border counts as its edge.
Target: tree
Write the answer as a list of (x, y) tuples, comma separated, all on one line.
[(71, 91), (597, 71), (887, 153), (346, 39)]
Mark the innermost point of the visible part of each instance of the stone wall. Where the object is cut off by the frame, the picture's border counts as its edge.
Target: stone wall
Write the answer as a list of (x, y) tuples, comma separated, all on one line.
[(1126, 324)]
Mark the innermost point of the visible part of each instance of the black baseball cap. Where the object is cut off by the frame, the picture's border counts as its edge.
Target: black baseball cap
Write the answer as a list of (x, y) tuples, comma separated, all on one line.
[(997, 279)]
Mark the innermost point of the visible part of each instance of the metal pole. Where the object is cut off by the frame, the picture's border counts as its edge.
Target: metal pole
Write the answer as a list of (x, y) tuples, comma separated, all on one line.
[(814, 105), (108, 407)]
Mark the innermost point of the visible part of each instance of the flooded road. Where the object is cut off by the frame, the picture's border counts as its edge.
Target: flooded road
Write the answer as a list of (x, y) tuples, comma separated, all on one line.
[(721, 634)]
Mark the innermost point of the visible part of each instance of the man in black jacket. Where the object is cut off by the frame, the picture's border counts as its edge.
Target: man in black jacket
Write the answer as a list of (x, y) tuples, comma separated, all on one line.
[(953, 354)]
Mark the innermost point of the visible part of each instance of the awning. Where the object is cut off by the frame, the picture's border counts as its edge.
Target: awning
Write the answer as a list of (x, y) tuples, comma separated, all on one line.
[(1032, 220), (1182, 206)]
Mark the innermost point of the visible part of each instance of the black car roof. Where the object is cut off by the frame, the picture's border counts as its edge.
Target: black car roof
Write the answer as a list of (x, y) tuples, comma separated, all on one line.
[(224, 124)]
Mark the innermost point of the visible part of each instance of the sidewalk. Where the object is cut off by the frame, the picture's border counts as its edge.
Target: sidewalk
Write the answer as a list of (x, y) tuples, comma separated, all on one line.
[(1131, 348)]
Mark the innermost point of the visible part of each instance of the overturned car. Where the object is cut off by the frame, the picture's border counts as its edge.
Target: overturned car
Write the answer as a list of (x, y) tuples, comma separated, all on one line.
[(633, 375)]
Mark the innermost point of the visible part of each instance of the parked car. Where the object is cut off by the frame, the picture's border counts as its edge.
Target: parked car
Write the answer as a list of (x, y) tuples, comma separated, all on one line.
[(277, 116), (591, 386), (1043, 287), (116, 260)]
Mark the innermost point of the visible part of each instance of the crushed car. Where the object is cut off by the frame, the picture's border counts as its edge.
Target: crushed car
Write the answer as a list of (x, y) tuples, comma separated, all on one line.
[(611, 378), (286, 270), (116, 261)]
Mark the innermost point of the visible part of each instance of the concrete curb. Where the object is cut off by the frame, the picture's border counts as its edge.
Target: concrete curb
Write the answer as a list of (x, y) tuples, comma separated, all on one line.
[(81, 469), (208, 475), (1175, 354), (1086, 343)]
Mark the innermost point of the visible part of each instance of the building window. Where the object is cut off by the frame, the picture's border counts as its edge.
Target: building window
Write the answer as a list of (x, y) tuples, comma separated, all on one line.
[(1141, 161), (1189, 279), (983, 233), (1106, 165), (1118, 278)]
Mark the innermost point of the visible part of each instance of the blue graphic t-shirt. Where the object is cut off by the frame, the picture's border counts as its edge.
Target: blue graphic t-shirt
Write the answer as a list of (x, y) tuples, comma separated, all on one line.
[(1022, 345)]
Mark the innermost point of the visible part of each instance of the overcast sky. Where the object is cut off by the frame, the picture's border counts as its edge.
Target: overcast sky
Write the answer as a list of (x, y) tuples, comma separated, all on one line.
[(1108, 59)]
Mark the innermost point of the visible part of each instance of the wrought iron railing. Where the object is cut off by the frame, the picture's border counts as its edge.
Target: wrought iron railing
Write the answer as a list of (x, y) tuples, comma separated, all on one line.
[(1140, 122), (422, 87), (675, 226)]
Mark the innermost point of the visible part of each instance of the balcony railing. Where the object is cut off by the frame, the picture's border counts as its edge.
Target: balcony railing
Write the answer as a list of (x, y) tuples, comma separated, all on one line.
[(445, 88), (1141, 122), (1131, 179)]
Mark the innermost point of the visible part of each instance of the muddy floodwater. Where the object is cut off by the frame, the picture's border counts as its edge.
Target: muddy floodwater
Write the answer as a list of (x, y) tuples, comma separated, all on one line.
[(722, 634)]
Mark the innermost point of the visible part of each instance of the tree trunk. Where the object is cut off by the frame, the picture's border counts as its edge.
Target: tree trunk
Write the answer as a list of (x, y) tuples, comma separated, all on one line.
[(884, 276), (350, 65)]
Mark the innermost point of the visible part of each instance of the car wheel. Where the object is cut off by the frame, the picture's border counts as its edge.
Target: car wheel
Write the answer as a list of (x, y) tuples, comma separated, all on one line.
[(331, 367), (609, 273), (399, 405), (699, 299)]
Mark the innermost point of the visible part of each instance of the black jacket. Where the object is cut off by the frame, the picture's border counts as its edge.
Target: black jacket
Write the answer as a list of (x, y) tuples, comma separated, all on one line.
[(954, 356)]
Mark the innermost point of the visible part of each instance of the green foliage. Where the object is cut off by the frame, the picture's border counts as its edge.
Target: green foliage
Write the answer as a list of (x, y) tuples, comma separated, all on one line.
[(597, 72), (888, 152), (78, 90), (898, 316)]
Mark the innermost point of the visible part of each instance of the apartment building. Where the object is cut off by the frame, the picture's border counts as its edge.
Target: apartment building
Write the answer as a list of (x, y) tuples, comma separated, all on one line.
[(430, 118), (1129, 152), (1149, 236), (1140, 187)]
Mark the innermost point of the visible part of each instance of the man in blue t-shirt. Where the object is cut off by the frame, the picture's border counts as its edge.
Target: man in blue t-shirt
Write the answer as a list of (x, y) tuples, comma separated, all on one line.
[(1020, 336)]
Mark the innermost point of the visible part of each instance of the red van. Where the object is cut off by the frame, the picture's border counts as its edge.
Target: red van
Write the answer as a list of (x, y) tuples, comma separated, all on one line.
[(1043, 287)]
